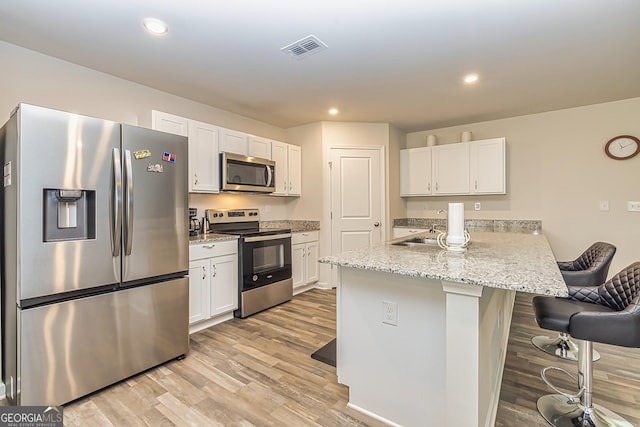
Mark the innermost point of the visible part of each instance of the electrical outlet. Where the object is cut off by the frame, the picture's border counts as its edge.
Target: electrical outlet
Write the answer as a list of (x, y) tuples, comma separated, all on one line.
[(476, 206), (390, 313), (604, 205), (633, 206)]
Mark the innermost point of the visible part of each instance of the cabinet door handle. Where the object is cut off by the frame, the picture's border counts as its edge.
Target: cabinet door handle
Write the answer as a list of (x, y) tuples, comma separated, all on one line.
[(305, 234), (436, 185), (204, 272), (215, 271), (290, 186), (195, 176), (476, 184), (376, 224), (428, 186), (211, 246)]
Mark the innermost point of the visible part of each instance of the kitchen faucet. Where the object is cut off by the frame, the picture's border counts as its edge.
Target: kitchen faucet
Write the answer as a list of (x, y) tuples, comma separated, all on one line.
[(434, 227)]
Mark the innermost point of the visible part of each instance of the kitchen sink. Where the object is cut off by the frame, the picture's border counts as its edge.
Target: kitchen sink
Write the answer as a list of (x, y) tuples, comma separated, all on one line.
[(418, 242)]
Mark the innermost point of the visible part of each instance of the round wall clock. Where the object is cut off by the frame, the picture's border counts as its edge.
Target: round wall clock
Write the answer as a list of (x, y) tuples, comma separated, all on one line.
[(622, 147)]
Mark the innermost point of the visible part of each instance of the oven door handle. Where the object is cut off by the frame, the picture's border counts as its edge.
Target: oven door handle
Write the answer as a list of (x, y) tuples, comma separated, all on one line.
[(264, 238)]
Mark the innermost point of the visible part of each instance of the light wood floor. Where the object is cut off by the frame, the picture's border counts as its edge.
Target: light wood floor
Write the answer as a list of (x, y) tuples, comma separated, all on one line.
[(258, 371), (616, 376)]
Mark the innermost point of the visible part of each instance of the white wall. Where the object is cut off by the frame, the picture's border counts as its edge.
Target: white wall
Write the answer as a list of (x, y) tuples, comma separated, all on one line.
[(31, 77), (557, 172), (28, 76), (396, 206), (309, 205)]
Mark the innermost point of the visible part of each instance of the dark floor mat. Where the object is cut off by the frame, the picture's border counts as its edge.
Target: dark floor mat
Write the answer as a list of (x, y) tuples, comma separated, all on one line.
[(327, 353)]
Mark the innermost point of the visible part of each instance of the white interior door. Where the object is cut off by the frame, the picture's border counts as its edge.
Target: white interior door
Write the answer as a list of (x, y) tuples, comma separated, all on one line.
[(356, 199)]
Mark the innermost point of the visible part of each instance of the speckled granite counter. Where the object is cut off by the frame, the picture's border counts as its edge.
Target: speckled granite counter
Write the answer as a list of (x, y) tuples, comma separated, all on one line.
[(498, 225), (295, 225), (210, 237), (515, 261)]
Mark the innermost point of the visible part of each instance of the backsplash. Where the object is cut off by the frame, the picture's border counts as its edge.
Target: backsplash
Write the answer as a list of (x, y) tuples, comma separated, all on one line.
[(497, 225)]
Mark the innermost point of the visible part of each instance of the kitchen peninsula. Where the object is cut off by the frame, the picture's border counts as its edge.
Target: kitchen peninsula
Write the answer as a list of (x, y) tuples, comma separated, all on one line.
[(422, 332)]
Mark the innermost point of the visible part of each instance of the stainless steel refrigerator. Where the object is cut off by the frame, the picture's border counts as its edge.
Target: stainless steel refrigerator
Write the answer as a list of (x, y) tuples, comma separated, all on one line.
[(94, 253)]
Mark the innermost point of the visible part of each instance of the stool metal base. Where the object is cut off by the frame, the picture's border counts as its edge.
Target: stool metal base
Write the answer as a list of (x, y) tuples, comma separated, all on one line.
[(562, 412), (559, 346)]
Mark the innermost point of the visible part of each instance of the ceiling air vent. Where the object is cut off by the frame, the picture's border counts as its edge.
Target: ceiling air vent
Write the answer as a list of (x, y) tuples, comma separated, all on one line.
[(305, 47)]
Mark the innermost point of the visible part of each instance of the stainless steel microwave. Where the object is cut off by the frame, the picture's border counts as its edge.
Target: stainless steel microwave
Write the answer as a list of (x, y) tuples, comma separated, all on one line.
[(249, 174)]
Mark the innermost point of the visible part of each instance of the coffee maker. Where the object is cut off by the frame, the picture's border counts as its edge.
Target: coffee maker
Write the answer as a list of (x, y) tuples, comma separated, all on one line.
[(194, 223)]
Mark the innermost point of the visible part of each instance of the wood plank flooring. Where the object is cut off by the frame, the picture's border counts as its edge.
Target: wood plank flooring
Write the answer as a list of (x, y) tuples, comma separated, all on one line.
[(616, 376), (258, 372)]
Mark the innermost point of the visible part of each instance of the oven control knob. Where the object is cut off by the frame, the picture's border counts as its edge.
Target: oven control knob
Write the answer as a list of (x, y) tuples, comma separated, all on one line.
[(255, 278)]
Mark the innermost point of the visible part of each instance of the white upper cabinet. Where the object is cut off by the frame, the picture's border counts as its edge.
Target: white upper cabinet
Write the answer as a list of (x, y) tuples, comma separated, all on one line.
[(259, 147), (203, 149), (206, 141), (232, 141), (295, 170), (487, 158), (476, 167), (288, 160), (450, 168), (169, 123), (203, 158), (279, 154), (415, 172)]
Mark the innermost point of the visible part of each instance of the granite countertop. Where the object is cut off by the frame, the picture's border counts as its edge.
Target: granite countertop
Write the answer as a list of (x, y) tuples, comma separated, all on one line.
[(295, 225), (210, 237), (516, 261), (498, 225)]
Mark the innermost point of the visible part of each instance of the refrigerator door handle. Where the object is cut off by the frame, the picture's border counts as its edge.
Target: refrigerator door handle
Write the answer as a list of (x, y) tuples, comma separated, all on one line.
[(128, 203), (116, 202)]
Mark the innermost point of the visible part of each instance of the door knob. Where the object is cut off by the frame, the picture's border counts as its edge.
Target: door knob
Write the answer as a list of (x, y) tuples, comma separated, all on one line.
[(376, 224)]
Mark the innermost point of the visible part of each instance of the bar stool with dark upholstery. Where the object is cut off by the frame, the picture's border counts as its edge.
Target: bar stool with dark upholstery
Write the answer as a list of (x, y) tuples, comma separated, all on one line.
[(609, 314), (589, 269)]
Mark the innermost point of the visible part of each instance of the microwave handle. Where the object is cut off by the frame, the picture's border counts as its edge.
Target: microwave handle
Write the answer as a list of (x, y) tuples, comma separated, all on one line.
[(269, 176)]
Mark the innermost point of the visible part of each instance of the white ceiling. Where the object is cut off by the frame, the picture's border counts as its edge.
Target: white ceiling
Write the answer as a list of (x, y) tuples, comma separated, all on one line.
[(399, 61)]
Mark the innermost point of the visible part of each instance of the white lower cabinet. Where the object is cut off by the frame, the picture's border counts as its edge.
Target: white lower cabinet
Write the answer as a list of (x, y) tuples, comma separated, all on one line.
[(213, 280), (304, 259)]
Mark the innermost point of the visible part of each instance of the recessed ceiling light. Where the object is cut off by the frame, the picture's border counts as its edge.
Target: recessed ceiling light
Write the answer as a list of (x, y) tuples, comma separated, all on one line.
[(155, 26), (333, 111), (470, 78)]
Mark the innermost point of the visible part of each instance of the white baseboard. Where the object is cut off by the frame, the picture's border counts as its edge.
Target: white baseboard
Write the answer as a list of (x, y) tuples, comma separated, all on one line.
[(196, 327), (323, 285), (372, 415)]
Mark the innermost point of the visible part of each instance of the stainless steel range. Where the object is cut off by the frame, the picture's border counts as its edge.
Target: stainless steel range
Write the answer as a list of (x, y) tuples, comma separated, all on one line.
[(264, 259)]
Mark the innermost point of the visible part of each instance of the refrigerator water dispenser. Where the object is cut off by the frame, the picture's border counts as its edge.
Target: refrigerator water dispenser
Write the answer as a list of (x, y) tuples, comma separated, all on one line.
[(69, 214)]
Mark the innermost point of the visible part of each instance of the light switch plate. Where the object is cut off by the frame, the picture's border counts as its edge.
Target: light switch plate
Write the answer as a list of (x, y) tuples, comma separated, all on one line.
[(604, 205), (633, 206)]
